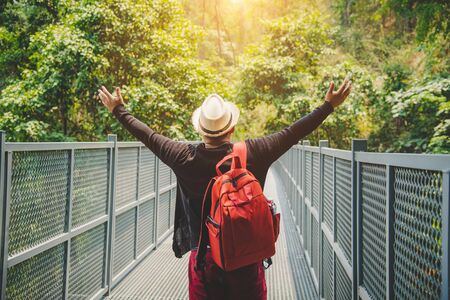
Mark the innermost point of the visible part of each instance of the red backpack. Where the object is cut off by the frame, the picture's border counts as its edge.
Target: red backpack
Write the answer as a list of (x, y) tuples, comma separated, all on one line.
[(242, 225)]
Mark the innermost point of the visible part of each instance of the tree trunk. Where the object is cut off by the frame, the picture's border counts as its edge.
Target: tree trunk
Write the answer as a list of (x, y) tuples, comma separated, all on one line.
[(227, 33), (347, 13), (219, 44), (203, 24), (64, 113)]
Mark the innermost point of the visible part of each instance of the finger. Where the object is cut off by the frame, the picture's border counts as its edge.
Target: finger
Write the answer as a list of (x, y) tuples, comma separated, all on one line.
[(349, 86), (103, 96), (118, 93), (100, 97), (342, 87), (347, 92), (100, 94), (331, 88), (107, 92)]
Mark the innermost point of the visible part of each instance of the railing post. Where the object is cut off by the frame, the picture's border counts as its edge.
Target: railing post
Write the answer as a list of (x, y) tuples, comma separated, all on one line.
[(289, 168), (111, 209), (357, 145), (389, 232), (334, 225), (68, 224), (305, 211), (4, 173), (322, 143), (155, 223), (445, 267), (298, 187), (136, 220)]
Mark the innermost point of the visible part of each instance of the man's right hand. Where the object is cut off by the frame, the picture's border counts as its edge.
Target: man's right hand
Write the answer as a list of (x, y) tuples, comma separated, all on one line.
[(336, 98), (109, 100)]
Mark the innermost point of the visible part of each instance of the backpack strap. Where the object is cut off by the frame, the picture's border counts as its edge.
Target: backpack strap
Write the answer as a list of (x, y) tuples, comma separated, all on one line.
[(233, 156), (240, 148), (203, 240)]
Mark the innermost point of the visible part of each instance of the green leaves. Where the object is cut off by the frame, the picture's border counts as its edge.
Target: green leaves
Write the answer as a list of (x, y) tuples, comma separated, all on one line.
[(423, 113), (291, 51), (55, 55), (146, 46)]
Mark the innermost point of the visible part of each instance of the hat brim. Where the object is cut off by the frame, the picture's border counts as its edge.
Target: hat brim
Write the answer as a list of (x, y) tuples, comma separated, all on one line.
[(234, 119)]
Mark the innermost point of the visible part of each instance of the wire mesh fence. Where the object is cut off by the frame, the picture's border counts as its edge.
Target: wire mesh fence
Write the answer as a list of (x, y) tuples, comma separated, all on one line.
[(77, 217), (374, 225)]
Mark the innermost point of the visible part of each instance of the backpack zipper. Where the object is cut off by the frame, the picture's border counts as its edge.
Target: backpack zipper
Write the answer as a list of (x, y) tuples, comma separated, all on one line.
[(233, 182), (210, 220)]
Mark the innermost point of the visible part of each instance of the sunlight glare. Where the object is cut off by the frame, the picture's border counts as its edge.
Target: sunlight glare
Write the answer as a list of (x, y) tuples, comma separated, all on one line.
[(236, 1)]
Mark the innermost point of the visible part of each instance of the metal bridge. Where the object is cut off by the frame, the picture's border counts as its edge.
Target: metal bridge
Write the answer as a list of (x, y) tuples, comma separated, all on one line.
[(94, 221)]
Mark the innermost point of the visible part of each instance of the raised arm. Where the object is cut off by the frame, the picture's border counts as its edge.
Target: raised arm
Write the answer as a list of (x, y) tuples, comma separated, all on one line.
[(172, 153), (269, 148)]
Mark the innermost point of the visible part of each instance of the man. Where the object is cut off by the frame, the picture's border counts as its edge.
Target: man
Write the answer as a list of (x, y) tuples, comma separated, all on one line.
[(194, 166)]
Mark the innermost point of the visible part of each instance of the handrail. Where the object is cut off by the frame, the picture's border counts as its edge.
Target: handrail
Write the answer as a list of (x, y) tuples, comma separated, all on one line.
[(77, 217), (373, 225)]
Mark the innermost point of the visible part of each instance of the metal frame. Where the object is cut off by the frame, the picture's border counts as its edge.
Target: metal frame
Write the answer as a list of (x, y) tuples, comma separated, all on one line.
[(135, 205), (136, 218), (361, 292), (357, 145), (108, 280), (322, 143), (333, 241), (69, 232), (445, 263), (300, 205), (303, 204), (6, 207), (46, 146), (4, 210), (389, 232), (357, 156), (112, 146), (436, 162), (68, 224), (111, 210), (155, 229)]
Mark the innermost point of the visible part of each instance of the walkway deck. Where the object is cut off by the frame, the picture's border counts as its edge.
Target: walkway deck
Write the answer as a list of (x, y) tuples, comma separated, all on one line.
[(163, 276)]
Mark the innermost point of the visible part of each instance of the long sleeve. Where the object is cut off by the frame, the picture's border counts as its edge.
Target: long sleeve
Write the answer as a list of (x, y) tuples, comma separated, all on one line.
[(172, 153), (269, 148)]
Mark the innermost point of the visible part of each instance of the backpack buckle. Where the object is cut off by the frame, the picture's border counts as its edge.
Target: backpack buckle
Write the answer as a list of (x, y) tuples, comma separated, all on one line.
[(267, 262)]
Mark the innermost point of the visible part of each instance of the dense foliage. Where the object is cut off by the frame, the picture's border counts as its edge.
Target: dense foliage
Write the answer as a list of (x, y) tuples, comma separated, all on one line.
[(146, 47), (274, 58)]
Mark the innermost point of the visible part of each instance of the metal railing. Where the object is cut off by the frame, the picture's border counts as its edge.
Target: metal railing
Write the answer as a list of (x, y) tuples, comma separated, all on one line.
[(373, 225), (77, 217)]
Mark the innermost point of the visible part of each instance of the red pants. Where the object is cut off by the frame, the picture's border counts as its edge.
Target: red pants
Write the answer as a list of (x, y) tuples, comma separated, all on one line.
[(248, 282)]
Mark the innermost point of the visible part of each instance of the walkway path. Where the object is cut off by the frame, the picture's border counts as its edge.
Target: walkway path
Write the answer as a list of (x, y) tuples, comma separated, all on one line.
[(163, 276)]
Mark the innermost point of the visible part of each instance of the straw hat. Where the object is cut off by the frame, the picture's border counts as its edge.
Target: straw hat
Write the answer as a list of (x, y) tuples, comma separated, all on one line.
[(215, 116)]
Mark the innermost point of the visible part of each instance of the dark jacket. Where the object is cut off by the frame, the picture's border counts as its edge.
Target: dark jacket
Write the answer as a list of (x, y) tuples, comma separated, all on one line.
[(194, 165)]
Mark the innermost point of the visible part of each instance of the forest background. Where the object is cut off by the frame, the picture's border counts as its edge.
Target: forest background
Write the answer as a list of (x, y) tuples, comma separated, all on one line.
[(274, 58)]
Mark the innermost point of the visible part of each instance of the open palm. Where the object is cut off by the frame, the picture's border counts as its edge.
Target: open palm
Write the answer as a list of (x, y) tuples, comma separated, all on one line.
[(109, 100), (336, 98)]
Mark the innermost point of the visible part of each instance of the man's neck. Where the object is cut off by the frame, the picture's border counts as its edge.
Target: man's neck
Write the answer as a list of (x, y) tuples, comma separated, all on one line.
[(216, 145)]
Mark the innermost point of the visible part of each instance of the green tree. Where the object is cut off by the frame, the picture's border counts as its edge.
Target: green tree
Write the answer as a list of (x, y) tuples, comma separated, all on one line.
[(422, 115), (149, 48)]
